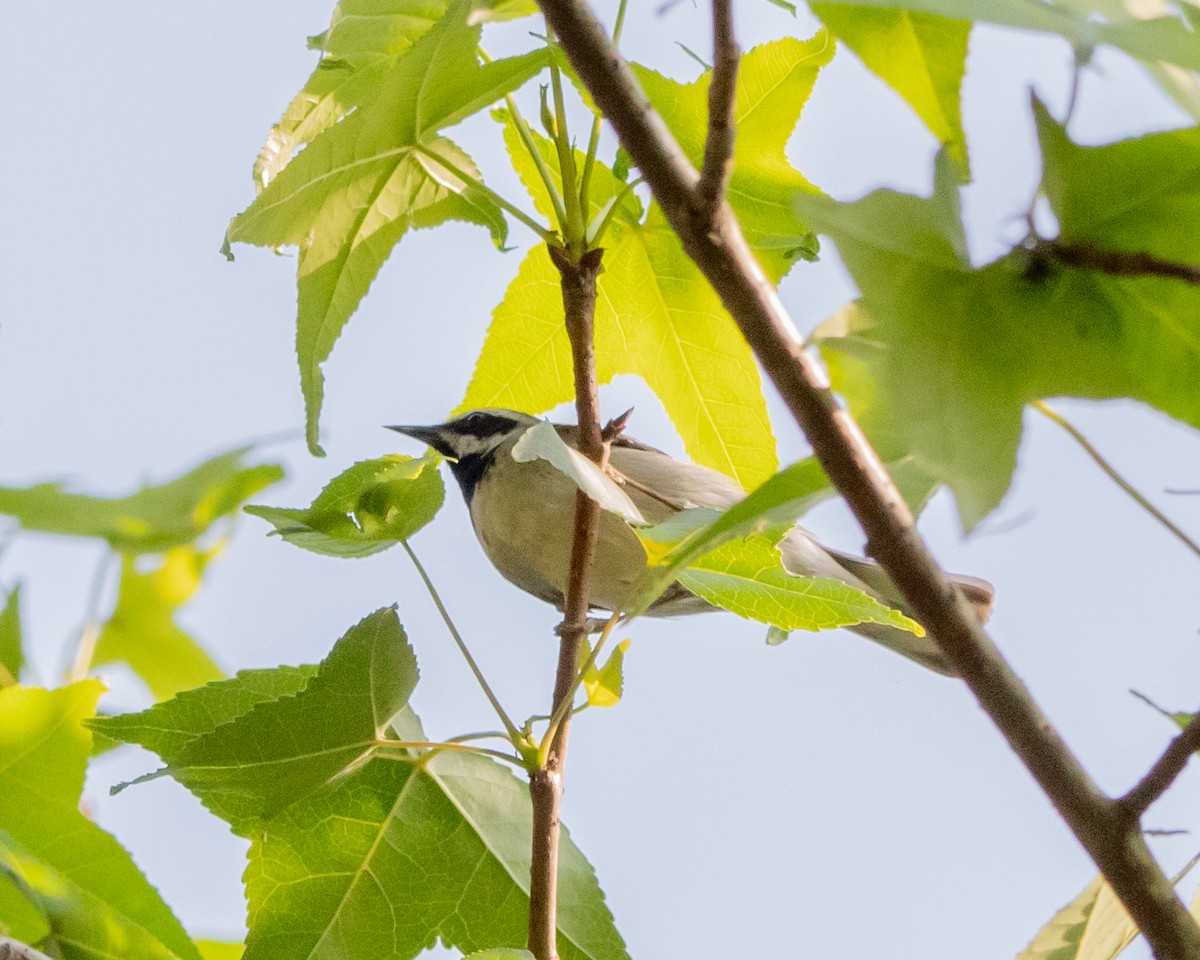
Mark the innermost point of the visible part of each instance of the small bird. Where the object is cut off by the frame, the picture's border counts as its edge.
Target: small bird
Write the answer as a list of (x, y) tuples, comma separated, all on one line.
[(524, 512)]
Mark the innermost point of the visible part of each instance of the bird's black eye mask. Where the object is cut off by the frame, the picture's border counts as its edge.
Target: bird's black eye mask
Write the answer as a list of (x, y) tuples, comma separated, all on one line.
[(481, 424)]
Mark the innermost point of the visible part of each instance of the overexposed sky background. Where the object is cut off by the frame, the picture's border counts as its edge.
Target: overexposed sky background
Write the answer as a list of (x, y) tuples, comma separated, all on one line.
[(824, 798)]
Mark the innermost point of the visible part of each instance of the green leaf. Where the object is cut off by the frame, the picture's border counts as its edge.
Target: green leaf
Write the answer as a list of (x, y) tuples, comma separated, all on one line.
[(680, 540), (605, 684), (153, 519), (361, 184), (166, 728), (216, 950), (921, 56), (142, 630), (436, 848), (364, 40), (12, 653), (371, 506), (20, 917), (249, 769), (656, 317), (1165, 38), (956, 352), (747, 577), (501, 953), (774, 81), (542, 442), (95, 899)]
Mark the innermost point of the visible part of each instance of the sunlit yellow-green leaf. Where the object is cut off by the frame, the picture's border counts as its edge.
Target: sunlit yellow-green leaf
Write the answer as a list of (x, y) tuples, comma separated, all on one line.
[(605, 683), (921, 56), (774, 81), (142, 631)]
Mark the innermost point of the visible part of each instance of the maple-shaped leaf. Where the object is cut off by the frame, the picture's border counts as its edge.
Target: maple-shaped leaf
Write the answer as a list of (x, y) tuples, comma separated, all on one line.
[(954, 352), (921, 56), (408, 850), (361, 184), (773, 84)]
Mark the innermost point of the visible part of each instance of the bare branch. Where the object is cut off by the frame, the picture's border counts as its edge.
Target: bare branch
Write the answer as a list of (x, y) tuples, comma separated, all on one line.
[(1165, 771), (722, 96), (721, 252), (546, 782), (1098, 458), (1117, 263)]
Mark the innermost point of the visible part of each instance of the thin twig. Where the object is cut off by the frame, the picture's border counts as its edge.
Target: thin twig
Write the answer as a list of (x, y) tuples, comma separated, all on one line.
[(1165, 771), (546, 235), (89, 631), (546, 781), (720, 251), (722, 98), (1046, 410), (526, 136), (513, 734), (1116, 263), (565, 706), (574, 229)]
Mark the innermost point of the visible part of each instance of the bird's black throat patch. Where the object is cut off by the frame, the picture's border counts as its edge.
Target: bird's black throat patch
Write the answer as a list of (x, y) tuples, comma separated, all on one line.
[(469, 470)]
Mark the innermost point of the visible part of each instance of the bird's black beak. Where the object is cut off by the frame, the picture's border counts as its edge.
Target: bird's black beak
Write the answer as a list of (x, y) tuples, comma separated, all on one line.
[(430, 436)]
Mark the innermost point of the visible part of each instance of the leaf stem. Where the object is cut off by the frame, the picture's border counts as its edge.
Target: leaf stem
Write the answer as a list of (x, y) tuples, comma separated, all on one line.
[(595, 236), (514, 735), (382, 746), (1049, 412), (89, 632), (556, 200), (500, 201), (589, 160), (567, 704), (574, 232)]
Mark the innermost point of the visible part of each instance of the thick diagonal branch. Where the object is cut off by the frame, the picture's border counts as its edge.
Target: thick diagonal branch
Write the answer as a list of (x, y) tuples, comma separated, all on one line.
[(719, 249), (546, 782)]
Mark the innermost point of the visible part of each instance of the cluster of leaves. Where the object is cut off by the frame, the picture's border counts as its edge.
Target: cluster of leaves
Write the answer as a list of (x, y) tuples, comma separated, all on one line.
[(163, 537), (367, 840), (66, 886)]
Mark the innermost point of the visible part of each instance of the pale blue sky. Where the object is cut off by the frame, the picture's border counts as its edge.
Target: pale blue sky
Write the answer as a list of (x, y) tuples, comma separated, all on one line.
[(824, 798)]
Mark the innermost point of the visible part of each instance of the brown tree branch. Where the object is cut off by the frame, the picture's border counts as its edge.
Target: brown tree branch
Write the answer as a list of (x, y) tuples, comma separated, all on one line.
[(1117, 263), (546, 782), (719, 249), (722, 97), (1165, 771)]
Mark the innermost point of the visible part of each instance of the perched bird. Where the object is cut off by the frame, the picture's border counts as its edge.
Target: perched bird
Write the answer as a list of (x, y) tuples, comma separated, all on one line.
[(523, 514)]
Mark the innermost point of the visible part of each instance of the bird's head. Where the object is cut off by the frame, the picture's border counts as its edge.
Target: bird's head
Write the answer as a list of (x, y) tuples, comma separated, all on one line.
[(470, 441)]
